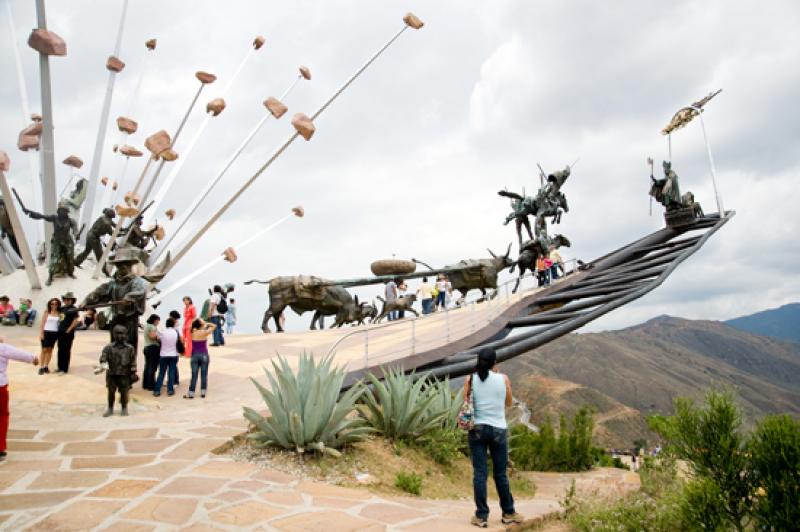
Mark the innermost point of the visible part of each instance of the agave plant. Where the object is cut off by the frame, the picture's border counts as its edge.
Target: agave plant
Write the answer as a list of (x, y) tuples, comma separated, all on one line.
[(402, 406), (447, 401), (306, 411)]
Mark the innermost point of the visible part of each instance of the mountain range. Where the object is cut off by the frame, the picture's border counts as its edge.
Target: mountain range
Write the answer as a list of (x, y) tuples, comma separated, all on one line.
[(628, 374)]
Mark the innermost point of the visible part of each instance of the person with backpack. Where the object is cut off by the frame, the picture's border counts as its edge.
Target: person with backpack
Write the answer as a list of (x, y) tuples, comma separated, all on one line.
[(490, 394), (217, 310)]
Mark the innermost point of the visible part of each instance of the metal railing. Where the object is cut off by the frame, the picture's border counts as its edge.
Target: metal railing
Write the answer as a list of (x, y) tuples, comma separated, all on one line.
[(441, 326)]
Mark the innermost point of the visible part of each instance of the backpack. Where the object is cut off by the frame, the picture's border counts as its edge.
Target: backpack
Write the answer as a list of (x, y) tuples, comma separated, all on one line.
[(222, 306)]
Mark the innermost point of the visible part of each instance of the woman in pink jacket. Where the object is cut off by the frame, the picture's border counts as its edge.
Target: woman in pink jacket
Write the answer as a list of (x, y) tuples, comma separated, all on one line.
[(8, 352)]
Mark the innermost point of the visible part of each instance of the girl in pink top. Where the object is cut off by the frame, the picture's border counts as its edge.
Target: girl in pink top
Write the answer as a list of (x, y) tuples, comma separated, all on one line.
[(8, 352)]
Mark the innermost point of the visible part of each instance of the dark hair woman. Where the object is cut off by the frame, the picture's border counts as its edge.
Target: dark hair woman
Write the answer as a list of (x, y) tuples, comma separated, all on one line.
[(200, 332), (168, 359), (490, 392), (48, 333), (152, 352)]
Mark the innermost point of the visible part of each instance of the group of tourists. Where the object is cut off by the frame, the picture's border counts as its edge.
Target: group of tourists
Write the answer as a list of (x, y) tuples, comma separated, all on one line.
[(549, 268), (432, 296)]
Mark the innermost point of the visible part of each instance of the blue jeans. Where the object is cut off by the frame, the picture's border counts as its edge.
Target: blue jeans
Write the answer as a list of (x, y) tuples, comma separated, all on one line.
[(218, 338), (440, 299), (427, 305), (168, 365), (199, 364), (481, 439), (554, 272)]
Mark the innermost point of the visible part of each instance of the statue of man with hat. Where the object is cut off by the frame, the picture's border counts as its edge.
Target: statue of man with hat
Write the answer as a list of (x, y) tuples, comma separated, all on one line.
[(125, 294)]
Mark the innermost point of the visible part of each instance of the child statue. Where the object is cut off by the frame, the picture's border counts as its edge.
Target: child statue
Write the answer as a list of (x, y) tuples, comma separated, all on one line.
[(119, 361)]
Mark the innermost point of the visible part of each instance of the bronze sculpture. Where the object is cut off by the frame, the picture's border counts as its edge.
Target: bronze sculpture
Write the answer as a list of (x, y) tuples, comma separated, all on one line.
[(104, 225), (62, 244), (667, 190), (549, 201), (118, 359), (532, 250), (125, 293), (304, 293), (471, 274)]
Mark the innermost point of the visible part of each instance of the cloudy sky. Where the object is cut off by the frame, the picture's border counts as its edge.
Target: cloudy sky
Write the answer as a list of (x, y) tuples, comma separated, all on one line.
[(408, 160)]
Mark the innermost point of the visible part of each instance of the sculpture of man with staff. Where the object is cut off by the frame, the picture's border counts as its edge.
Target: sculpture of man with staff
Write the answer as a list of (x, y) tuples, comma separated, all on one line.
[(62, 245)]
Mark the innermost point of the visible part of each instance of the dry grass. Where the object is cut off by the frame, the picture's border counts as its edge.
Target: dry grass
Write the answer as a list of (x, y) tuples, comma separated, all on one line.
[(381, 461)]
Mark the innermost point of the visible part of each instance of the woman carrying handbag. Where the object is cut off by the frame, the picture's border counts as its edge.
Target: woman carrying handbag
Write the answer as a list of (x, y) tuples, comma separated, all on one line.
[(489, 393)]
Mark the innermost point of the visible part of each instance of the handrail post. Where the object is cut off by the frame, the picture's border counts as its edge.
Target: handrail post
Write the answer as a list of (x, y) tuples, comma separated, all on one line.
[(447, 324), (413, 336), (366, 347)]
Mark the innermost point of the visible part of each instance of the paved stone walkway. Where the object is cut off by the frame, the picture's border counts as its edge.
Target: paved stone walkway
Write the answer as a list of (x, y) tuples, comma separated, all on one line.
[(70, 469)]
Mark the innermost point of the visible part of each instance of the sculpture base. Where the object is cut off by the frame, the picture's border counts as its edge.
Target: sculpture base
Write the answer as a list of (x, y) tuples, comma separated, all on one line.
[(680, 217)]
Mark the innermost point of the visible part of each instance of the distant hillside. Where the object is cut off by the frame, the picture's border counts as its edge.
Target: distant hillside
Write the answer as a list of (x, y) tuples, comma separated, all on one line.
[(645, 366), (782, 322), (616, 425)]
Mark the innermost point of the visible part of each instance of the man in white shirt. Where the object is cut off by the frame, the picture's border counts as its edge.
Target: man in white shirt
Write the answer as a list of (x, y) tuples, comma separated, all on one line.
[(217, 314)]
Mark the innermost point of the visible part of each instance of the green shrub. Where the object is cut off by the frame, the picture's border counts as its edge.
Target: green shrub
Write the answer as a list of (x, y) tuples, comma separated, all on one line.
[(447, 401), (710, 439), (444, 445), (403, 406), (604, 459), (306, 412), (701, 505), (408, 482), (571, 450), (658, 475), (775, 456)]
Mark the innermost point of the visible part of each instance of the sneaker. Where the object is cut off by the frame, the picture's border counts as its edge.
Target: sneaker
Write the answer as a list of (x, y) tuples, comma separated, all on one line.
[(156, 394), (187, 396), (41, 371), (202, 394), (47, 370), (171, 393), (3, 455), (512, 519), (479, 522), (108, 413), (124, 411)]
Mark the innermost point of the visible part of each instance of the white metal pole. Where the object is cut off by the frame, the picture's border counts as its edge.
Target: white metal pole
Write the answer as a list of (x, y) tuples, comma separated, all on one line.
[(48, 155), (152, 183), (710, 163), (36, 178), (173, 174), (97, 158), (22, 243), (182, 252), (210, 184)]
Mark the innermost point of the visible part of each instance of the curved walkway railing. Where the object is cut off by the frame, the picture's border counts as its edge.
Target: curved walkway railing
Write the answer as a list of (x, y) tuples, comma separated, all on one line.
[(412, 335)]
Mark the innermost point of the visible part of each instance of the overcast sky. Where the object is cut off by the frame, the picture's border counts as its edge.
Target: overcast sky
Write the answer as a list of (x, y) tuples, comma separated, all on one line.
[(407, 162)]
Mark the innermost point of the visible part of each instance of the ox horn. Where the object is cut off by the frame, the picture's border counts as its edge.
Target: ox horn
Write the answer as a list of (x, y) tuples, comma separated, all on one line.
[(490, 253), (508, 251)]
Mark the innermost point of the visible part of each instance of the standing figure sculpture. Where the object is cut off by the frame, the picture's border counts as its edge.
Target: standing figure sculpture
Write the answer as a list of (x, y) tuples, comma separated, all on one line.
[(125, 293), (139, 238), (666, 191), (62, 245), (522, 207), (104, 225)]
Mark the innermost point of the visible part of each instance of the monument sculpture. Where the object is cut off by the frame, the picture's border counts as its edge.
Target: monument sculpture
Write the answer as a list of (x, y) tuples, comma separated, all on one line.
[(104, 225), (549, 201), (680, 209), (125, 294), (62, 244), (532, 250), (118, 359)]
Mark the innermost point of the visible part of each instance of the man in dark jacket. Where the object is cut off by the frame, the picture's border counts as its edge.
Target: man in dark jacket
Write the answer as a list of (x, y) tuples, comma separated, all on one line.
[(119, 360)]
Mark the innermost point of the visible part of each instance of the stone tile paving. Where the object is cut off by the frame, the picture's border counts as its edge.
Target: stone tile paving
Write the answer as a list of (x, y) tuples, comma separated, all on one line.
[(70, 469)]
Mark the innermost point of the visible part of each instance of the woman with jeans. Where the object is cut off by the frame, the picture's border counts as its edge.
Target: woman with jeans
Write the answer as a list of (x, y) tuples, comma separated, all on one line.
[(152, 348), (490, 392), (168, 359), (200, 332)]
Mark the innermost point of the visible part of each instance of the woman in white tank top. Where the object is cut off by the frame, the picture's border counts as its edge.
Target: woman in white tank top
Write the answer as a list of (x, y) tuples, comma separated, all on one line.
[(490, 392), (48, 333)]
